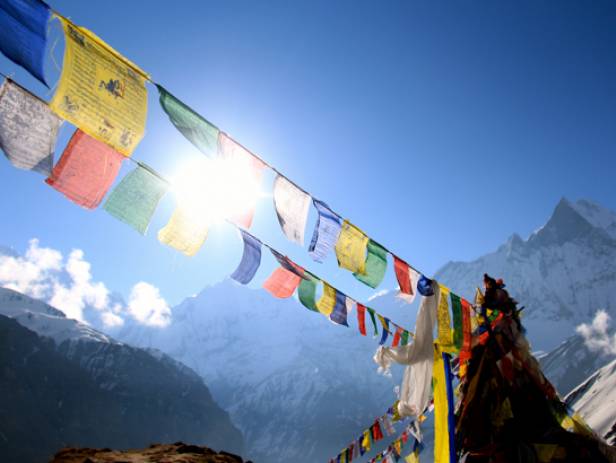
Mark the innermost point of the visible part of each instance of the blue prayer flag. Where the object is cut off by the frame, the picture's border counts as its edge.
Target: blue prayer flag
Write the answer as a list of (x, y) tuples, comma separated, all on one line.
[(23, 33), (251, 259), (325, 233), (385, 323), (339, 314), (424, 286)]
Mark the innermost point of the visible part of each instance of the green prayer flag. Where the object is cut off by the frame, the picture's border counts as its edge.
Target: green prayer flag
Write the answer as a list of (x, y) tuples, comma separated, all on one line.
[(404, 338), (376, 265), (135, 198), (202, 133), (372, 317), (456, 308), (307, 292)]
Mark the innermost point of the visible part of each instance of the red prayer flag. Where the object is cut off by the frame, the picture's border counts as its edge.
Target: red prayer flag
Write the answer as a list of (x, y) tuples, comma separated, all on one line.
[(402, 274), (282, 283), (465, 351), (361, 318), (86, 170), (377, 434), (397, 337)]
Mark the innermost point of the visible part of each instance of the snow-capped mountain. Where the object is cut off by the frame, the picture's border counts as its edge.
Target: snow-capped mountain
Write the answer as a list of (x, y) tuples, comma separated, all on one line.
[(562, 273), (62, 382), (595, 401), (298, 386)]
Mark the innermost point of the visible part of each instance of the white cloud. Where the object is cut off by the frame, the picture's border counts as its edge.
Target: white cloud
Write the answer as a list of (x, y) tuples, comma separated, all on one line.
[(147, 307), (596, 336), (69, 286), (380, 293)]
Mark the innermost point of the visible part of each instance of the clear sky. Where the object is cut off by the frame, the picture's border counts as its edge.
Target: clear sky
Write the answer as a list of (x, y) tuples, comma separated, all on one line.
[(440, 128)]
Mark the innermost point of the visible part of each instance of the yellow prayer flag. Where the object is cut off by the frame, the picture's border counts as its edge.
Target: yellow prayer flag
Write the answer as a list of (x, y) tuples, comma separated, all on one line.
[(441, 409), (366, 441), (412, 458), (398, 446), (100, 91), (327, 301), (351, 248), (183, 233), (445, 333)]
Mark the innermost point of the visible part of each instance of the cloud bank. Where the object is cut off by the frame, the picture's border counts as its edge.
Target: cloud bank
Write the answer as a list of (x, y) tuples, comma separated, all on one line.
[(67, 284), (596, 336)]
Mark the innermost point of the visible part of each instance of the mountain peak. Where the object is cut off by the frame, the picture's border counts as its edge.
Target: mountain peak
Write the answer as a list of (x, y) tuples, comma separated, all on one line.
[(565, 224)]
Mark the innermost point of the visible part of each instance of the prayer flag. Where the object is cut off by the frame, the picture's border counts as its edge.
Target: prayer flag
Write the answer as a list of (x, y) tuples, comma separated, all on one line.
[(326, 231), (184, 232), (407, 279), (389, 428), (100, 91), (366, 441), (424, 286), (23, 34), (199, 131), (451, 419), (377, 434), (307, 292), (351, 248), (361, 318), (397, 337), (445, 338), (372, 317), (251, 259), (86, 170), (456, 309), (328, 300), (465, 351), (385, 323), (252, 169), (339, 313), (28, 128), (291, 205), (375, 265), (404, 337), (135, 198), (282, 283), (441, 409)]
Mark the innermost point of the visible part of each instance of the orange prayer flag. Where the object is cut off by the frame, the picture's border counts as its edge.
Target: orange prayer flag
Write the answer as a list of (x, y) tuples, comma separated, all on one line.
[(282, 283)]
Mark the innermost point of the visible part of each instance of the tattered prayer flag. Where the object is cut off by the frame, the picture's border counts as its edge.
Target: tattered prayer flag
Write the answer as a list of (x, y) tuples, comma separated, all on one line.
[(407, 279), (199, 131), (100, 91), (445, 338), (373, 318), (424, 286), (86, 170), (351, 248), (456, 309), (135, 198), (251, 171), (361, 318), (291, 205), (397, 337), (385, 324), (23, 34), (282, 283), (28, 128), (328, 300), (184, 232), (375, 266), (339, 313), (251, 259), (326, 232), (307, 292)]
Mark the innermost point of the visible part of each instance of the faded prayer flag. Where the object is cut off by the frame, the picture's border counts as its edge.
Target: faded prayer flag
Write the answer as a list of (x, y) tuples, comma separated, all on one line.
[(136, 197), (184, 232), (86, 170), (251, 259), (339, 313), (351, 248), (307, 292), (282, 283), (243, 159), (407, 279), (327, 302), (23, 34), (100, 91), (291, 205), (375, 266), (28, 129), (198, 130), (325, 233)]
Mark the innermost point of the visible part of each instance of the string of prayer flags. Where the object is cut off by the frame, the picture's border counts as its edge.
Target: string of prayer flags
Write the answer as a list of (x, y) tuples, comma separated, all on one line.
[(424, 286), (445, 337), (407, 279), (136, 197), (198, 130), (351, 248), (385, 324), (86, 170), (291, 204), (23, 34), (250, 170), (100, 91), (184, 232), (326, 232), (307, 292), (251, 259), (375, 265), (28, 128)]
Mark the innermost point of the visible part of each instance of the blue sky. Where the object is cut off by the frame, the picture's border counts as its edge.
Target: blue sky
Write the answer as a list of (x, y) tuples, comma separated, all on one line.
[(440, 128)]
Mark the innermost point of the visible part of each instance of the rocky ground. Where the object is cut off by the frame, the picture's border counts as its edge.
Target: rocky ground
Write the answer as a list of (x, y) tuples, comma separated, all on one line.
[(156, 453)]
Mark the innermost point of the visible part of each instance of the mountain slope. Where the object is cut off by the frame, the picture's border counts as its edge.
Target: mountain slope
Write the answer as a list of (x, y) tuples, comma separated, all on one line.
[(562, 273), (67, 384)]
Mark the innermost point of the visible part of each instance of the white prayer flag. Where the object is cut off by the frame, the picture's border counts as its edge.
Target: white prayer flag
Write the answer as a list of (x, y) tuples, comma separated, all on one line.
[(292, 209)]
